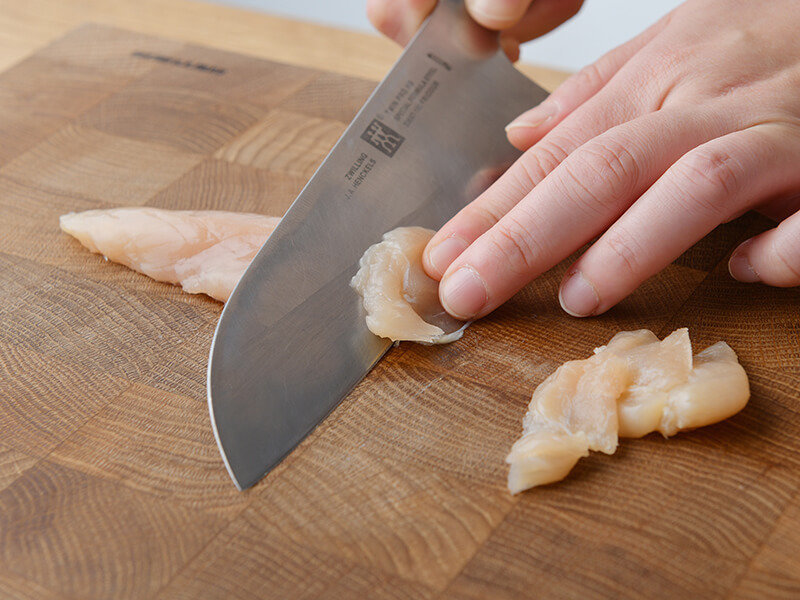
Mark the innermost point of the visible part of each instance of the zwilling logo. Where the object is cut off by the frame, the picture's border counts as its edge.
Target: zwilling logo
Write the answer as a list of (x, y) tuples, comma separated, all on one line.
[(383, 138)]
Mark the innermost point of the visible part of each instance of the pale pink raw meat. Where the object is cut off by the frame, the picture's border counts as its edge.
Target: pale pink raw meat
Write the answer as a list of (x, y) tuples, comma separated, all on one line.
[(204, 251), (630, 387), (400, 300)]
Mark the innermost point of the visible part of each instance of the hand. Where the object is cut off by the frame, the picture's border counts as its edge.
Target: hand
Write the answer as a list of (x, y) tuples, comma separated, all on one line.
[(520, 20), (687, 126)]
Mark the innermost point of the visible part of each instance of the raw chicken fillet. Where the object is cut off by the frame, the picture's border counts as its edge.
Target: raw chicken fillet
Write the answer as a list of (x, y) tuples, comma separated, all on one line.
[(204, 251), (631, 387), (401, 301)]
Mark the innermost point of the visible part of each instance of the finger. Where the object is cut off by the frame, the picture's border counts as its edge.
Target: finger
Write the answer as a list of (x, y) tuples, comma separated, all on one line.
[(706, 187), (497, 14), (601, 113), (541, 17), (531, 126), (510, 47), (772, 257), (398, 19), (574, 203)]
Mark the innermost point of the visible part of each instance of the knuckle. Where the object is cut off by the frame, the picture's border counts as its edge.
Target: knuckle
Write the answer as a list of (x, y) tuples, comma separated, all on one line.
[(579, 192), (515, 244), (665, 60), (624, 251), (542, 159), (712, 170), (485, 215), (617, 161), (527, 174), (654, 78), (589, 77), (607, 172)]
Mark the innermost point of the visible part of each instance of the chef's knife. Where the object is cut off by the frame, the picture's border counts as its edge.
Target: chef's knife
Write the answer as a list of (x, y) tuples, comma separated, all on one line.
[(292, 340)]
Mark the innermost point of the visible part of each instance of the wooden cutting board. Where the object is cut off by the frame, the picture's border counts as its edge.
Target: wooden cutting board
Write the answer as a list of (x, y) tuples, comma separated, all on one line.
[(111, 485)]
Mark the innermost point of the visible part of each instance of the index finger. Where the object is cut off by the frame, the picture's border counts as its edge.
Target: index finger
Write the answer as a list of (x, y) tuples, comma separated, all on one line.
[(578, 200), (499, 14), (398, 19)]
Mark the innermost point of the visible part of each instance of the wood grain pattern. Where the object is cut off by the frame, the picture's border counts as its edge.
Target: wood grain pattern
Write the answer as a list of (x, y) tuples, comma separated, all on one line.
[(43, 85), (89, 538), (37, 239), (145, 428), (179, 118), (95, 324), (248, 81), (410, 520), (772, 572), (684, 533), (14, 587), (111, 485), (45, 400), (13, 463), (314, 98), (284, 141), (252, 559), (82, 161), (222, 185), (27, 26)]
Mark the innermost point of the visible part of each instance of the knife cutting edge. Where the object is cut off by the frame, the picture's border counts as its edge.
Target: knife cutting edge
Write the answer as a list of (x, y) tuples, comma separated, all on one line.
[(292, 340)]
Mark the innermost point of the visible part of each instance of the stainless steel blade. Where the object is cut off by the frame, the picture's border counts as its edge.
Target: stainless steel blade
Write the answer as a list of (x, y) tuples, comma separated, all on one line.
[(292, 340)]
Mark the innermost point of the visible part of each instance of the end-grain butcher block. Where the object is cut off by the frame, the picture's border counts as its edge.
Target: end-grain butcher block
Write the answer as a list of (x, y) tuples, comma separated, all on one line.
[(111, 484)]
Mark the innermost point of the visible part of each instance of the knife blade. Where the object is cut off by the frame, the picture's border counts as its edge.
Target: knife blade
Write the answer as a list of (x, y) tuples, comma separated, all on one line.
[(292, 340)]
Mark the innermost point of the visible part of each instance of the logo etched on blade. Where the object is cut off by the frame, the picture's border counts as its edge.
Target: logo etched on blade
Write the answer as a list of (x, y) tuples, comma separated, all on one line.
[(384, 138)]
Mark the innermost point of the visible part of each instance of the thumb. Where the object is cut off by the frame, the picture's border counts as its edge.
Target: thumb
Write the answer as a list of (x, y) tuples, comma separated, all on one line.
[(497, 14), (398, 19)]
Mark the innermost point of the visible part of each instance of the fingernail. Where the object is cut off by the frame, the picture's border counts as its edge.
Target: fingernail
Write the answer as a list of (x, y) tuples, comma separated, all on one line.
[(578, 296), (535, 117), (463, 293), (740, 268), (445, 252)]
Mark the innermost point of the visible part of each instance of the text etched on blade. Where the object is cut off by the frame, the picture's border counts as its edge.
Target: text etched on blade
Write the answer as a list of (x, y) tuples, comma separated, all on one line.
[(382, 137), (413, 96), (358, 173)]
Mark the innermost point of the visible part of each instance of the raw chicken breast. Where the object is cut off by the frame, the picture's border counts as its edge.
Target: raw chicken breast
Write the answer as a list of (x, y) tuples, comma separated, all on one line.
[(580, 398), (542, 457), (633, 386), (717, 388), (401, 301), (655, 368), (204, 251)]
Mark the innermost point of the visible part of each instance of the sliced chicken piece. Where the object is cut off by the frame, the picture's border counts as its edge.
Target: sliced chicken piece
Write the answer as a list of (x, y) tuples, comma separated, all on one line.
[(581, 398), (633, 386), (656, 367), (401, 301), (717, 388), (204, 251), (542, 457)]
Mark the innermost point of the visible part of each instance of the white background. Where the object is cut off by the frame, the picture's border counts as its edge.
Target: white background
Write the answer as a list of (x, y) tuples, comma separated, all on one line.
[(601, 25)]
